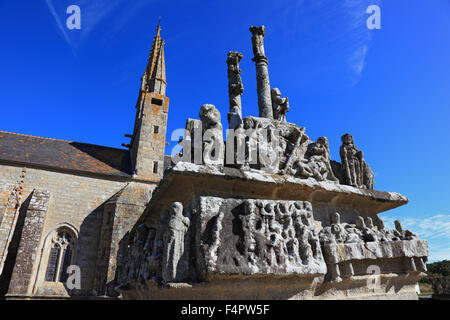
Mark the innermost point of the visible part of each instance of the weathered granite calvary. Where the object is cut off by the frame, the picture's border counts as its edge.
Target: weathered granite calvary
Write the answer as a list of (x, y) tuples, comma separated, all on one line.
[(267, 214)]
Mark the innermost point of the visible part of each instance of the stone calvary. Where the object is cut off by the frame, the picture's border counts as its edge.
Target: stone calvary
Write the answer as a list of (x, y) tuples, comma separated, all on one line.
[(266, 214)]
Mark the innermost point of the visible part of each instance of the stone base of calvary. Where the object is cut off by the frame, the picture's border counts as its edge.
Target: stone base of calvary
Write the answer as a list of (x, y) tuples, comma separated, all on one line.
[(267, 215)]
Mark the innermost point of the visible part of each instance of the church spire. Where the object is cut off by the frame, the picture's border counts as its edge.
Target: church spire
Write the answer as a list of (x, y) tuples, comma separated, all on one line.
[(154, 78), (149, 136)]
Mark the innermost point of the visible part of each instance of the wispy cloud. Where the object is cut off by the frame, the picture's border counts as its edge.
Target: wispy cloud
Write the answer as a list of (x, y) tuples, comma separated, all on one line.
[(61, 27), (93, 13), (356, 11), (435, 229), (358, 59), (337, 34), (439, 254)]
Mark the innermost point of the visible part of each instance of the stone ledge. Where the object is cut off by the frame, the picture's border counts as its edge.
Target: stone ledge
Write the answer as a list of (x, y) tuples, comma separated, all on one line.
[(393, 286), (185, 179), (337, 253)]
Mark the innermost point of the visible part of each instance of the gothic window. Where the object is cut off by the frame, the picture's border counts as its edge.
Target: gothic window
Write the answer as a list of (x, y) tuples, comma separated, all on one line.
[(60, 257)]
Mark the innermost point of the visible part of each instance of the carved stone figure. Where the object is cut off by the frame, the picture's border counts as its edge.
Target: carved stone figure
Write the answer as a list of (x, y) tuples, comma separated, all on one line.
[(280, 105), (368, 234), (353, 234), (174, 242), (400, 234), (274, 236), (258, 34), (161, 230), (287, 145), (146, 271), (235, 89), (335, 232), (364, 241), (368, 176), (268, 153), (318, 156), (213, 145), (382, 233), (356, 171), (251, 142), (135, 253)]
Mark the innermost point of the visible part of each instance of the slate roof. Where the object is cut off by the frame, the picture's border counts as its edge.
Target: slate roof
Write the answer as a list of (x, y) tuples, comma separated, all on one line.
[(60, 154)]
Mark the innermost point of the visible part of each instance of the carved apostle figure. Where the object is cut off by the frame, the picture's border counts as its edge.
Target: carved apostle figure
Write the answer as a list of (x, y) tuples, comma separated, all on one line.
[(268, 214), (371, 233), (335, 232), (174, 242), (213, 145), (268, 152), (318, 154), (305, 249), (251, 142), (280, 105), (381, 231), (336, 228), (356, 171), (400, 234), (353, 234), (368, 234), (277, 250)]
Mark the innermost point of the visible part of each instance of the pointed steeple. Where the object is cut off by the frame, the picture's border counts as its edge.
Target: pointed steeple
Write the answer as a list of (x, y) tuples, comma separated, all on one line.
[(149, 136), (154, 78)]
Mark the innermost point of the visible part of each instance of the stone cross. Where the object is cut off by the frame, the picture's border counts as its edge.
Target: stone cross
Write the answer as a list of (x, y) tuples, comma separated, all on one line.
[(262, 72)]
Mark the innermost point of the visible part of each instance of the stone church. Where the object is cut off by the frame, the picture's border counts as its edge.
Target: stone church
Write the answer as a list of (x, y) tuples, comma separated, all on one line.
[(262, 214)]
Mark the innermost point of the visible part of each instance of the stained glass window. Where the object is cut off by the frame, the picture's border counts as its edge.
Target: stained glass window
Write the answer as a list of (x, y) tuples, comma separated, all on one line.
[(60, 257), (65, 262), (53, 258)]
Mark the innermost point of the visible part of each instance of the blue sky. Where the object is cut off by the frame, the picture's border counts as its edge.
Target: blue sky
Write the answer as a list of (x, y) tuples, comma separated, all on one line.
[(390, 88)]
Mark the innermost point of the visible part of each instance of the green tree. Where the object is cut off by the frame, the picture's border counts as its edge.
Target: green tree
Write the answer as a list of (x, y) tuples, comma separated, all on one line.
[(440, 267)]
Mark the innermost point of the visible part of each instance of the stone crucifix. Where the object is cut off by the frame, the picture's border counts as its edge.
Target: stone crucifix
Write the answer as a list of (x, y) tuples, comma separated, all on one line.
[(235, 89), (262, 72)]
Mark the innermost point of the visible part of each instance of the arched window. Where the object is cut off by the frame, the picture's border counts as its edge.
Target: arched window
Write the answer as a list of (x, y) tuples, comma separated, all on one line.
[(60, 256)]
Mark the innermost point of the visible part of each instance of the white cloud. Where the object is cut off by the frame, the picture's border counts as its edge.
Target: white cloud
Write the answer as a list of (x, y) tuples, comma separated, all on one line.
[(435, 229), (358, 59), (61, 27), (432, 227), (362, 35), (92, 14)]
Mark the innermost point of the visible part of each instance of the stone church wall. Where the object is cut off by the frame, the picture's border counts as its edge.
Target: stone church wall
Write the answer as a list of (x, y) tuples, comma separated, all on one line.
[(75, 200)]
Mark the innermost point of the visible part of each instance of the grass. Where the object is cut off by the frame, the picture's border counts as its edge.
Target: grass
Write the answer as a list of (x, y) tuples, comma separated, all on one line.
[(425, 289)]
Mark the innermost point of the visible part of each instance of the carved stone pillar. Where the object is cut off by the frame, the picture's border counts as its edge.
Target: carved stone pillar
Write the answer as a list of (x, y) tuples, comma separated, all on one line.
[(235, 89), (262, 72)]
